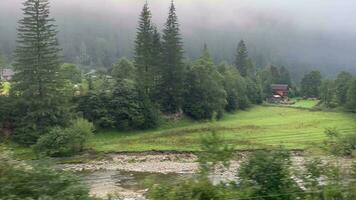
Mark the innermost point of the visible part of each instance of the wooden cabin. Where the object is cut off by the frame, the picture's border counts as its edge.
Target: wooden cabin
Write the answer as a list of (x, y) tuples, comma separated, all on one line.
[(279, 93), (280, 89)]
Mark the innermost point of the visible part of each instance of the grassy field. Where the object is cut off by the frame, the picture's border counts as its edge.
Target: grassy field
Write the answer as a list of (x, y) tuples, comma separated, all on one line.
[(259, 127), (304, 104)]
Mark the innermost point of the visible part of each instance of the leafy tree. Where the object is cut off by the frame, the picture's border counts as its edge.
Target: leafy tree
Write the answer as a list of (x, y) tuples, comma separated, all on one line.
[(266, 175), (253, 91), (124, 69), (95, 107), (20, 180), (235, 87), (342, 84), (310, 84), (205, 94), (130, 109), (71, 73), (230, 85), (38, 81), (171, 85), (351, 95), (143, 51), (327, 93), (241, 61)]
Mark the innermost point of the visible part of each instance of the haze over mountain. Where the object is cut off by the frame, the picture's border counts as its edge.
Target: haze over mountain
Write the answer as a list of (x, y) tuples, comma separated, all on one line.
[(301, 34)]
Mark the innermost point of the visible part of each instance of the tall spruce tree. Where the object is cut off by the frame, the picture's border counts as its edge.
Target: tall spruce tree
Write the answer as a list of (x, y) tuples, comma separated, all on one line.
[(172, 69), (156, 53), (241, 61), (143, 51), (38, 83)]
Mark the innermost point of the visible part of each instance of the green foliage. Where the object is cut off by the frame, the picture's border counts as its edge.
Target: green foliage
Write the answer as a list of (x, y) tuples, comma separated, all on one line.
[(123, 69), (241, 61), (342, 84), (253, 91), (267, 175), (235, 87), (214, 151), (171, 84), (310, 84), (95, 107), (131, 108), (143, 52), (71, 73), (204, 95), (328, 93), (326, 180), (65, 142), (124, 108), (37, 82), (187, 190), (20, 181), (351, 95), (340, 145)]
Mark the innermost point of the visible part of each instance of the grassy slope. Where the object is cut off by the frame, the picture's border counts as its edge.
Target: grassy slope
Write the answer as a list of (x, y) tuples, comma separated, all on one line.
[(305, 104), (258, 127)]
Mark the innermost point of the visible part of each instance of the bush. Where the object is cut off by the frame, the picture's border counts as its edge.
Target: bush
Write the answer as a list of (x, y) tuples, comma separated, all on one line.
[(65, 142), (268, 174), (19, 181), (340, 145), (188, 190)]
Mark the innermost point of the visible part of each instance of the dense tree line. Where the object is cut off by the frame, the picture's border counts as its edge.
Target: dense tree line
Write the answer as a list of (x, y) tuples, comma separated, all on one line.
[(158, 81), (136, 94), (340, 92)]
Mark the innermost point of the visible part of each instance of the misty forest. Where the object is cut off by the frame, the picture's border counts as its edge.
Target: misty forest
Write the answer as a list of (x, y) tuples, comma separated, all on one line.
[(177, 100)]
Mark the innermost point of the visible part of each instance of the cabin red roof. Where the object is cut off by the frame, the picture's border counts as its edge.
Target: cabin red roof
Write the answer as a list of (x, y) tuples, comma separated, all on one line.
[(279, 87)]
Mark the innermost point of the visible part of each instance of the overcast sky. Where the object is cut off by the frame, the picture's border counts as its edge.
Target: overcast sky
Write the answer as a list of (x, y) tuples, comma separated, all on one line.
[(321, 32)]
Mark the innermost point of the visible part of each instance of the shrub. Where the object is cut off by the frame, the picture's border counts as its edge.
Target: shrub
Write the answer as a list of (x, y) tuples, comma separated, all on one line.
[(65, 142), (18, 181), (187, 190), (340, 145), (268, 174)]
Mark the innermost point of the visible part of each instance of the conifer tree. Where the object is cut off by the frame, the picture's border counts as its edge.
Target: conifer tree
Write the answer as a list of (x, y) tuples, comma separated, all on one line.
[(37, 82), (173, 69), (143, 48), (156, 53), (241, 61)]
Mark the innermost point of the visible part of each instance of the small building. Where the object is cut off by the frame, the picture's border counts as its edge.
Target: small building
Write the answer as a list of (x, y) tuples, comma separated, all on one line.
[(279, 93), (6, 74), (280, 90)]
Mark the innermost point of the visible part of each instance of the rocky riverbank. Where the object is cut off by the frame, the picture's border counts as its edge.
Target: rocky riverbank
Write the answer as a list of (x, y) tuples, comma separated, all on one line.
[(121, 173)]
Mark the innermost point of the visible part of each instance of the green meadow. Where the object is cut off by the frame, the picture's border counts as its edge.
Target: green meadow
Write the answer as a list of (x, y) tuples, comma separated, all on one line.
[(256, 128)]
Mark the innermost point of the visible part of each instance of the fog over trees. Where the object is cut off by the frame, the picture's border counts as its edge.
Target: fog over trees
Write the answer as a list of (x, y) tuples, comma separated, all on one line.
[(300, 34)]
